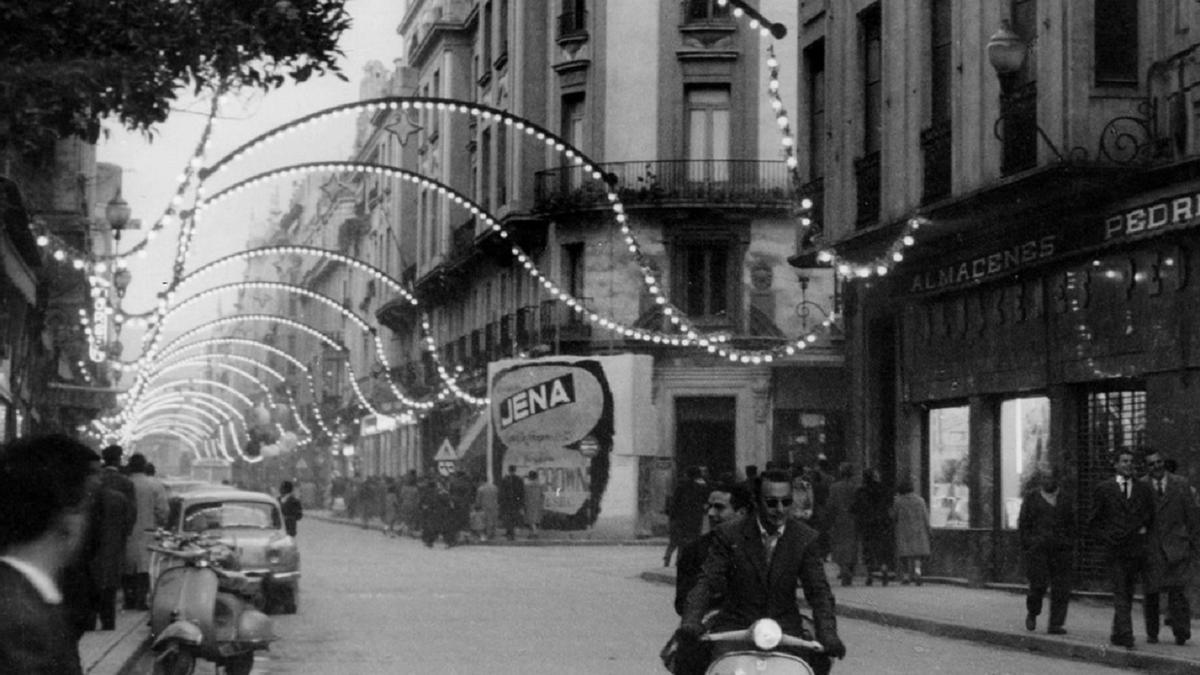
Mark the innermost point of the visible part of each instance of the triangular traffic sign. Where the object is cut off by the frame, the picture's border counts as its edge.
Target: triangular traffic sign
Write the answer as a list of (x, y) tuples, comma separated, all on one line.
[(446, 452)]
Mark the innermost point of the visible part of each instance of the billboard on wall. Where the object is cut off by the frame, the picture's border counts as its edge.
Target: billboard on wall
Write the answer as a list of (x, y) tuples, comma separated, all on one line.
[(555, 415)]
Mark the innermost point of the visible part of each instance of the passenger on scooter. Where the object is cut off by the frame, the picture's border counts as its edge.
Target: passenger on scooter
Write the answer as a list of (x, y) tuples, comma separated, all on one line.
[(751, 573), (726, 502)]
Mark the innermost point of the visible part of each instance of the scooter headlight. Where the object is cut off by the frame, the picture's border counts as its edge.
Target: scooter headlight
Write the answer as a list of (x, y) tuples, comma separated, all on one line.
[(766, 634)]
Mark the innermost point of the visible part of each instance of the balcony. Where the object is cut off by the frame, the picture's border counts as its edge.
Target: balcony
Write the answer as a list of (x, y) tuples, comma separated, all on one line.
[(507, 323), (743, 183), (560, 323), (527, 327)]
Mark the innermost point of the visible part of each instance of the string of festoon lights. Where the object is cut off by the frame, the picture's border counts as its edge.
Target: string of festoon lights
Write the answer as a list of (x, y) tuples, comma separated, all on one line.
[(209, 401), (754, 19), (139, 385), (253, 344), (362, 325), (689, 336), (134, 417)]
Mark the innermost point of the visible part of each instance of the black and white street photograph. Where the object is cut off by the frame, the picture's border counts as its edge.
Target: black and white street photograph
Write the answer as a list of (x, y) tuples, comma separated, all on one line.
[(699, 337)]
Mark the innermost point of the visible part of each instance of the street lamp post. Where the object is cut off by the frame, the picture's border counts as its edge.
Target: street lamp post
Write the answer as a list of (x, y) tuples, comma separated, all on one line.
[(117, 213)]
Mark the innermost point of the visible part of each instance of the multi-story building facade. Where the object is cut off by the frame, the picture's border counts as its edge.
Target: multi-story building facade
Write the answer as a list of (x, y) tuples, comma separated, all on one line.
[(671, 99), (1044, 313)]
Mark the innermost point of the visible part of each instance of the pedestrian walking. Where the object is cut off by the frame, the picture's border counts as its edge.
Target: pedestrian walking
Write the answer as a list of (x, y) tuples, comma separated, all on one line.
[(409, 503), (487, 501), (910, 519), (685, 511), (804, 506), (1171, 549), (535, 502), (1121, 517), (512, 502), (290, 506), (47, 482), (391, 506), (151, 500), (872, 504), (434, 506), (108, 560), (1046, 526), (839, 522)]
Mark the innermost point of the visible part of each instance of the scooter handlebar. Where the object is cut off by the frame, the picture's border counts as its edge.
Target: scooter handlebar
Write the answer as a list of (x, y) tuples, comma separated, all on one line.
[(747, 635)]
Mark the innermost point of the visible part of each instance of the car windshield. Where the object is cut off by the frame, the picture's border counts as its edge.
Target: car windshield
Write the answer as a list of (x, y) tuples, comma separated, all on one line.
[(220, 515)]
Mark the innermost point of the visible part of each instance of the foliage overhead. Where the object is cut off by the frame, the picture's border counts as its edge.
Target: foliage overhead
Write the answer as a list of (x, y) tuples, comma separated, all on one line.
[(67, 64)]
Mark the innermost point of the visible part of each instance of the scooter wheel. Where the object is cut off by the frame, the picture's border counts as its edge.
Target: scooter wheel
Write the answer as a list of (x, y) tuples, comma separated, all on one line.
[(173, 661), (240, 664)]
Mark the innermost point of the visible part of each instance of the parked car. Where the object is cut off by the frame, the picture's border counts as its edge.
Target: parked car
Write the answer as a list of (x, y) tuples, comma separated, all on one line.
[(251, 525)]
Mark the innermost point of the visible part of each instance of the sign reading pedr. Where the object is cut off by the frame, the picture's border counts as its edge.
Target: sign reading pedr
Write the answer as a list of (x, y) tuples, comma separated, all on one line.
[(1168, 212), (537, 399)]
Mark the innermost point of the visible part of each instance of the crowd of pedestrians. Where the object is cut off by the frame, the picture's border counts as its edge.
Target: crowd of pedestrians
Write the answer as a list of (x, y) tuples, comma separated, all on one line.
[(454, 508)]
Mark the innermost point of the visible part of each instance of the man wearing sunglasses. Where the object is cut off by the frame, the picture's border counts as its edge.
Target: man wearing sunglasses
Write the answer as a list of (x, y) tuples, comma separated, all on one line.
[(752, 570)]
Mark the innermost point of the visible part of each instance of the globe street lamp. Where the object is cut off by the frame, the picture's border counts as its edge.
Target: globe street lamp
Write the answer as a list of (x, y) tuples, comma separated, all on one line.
[(117, 214)]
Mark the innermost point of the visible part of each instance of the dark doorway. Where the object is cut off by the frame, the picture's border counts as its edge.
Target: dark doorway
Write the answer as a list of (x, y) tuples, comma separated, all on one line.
[(881, 349), (706, 433)]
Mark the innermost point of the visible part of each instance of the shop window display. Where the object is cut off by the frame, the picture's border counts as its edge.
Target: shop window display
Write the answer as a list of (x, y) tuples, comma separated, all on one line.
[(1024, 439), (949, 455)]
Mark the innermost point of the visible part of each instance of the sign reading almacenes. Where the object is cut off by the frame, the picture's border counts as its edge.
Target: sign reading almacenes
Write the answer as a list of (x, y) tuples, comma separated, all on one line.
[(984, 266), (1147, 219)]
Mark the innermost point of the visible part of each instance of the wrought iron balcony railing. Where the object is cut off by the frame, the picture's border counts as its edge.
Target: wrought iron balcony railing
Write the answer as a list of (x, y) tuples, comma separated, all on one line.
[(707, 182), (559, 322)]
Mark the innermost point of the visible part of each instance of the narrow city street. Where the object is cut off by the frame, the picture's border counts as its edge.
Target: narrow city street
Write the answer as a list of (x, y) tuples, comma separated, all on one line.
[(376, 605)]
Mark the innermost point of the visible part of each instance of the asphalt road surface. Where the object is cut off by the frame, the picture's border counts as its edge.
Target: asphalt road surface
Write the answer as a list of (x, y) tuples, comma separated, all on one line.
[(370, 604)]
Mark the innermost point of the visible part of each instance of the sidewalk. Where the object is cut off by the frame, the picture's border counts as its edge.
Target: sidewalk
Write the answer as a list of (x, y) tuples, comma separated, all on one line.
[(109, 652), (544, 538), (997, 617)]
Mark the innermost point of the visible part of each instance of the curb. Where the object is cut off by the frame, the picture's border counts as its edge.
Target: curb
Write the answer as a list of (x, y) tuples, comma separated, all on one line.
[(123, 653), (499, 541), (1059, 648)]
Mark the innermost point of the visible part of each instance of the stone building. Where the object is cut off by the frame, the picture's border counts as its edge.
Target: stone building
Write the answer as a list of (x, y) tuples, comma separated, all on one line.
[(1045, 312)]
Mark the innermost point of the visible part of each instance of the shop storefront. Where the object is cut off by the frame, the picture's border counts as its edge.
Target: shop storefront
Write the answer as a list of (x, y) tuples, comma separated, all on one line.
[(1059, 341)]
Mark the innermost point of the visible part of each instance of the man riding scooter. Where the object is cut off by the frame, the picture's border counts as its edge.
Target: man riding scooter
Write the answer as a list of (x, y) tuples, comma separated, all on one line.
[(751, 573)]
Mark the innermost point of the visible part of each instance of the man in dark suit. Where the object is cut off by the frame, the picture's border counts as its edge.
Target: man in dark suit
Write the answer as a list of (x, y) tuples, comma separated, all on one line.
[(47, 483), (1170, 551), (752, 571), (1121, 519), (512, 502), (1047, 529)]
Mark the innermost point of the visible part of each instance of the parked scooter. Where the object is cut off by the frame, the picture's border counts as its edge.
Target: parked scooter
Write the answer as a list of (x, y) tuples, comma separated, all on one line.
[(765, 636), (199, 609)]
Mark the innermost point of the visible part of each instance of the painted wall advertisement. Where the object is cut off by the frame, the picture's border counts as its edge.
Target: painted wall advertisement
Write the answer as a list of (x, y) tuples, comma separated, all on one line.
[(561, 417)]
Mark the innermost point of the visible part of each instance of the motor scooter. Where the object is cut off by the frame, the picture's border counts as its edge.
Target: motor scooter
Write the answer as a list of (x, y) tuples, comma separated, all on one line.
[(199, 609), (765, 636)]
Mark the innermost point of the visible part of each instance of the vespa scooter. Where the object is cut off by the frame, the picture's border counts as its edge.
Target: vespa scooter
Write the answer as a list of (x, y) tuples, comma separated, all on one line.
[(766, 636), (199, 609)]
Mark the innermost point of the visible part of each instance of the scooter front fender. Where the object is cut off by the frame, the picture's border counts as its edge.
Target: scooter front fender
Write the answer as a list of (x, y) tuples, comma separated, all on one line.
[(255, 627), (179, 631)]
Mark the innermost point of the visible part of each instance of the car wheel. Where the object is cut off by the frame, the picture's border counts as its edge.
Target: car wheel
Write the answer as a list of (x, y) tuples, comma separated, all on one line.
[(240, 664)]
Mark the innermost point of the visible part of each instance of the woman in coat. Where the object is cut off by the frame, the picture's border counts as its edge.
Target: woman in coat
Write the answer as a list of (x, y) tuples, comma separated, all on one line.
[(839, 523), (535, 501), (910, 517), (151, 509)]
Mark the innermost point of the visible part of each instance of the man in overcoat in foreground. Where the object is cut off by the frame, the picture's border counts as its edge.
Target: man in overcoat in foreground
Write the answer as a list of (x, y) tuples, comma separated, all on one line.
[(1170, 550)]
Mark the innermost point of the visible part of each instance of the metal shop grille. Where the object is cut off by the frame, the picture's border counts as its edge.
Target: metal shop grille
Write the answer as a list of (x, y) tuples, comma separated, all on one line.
[(1112, 419)]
